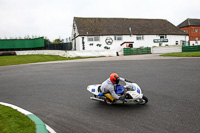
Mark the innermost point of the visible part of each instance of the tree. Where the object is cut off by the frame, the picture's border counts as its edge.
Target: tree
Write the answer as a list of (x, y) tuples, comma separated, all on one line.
[(46, 41), (58, 41)]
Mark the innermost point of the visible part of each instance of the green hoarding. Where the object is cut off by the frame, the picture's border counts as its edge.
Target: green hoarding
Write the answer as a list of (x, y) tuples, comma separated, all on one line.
[(190, 48), (21, 43), (137, 51)]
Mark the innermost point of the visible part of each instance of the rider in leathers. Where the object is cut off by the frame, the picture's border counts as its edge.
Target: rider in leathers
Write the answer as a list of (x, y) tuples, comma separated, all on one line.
[(108, 86)]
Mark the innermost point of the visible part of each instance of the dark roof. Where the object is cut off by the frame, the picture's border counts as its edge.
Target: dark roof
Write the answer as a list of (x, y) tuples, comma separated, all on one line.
[(125, 26), (189, 22)]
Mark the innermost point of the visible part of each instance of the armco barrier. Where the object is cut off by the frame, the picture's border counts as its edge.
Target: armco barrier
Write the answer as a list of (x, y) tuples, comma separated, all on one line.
[(85, 53)]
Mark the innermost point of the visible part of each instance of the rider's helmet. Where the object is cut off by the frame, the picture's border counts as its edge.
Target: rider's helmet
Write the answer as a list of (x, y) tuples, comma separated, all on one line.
[(114, 78)]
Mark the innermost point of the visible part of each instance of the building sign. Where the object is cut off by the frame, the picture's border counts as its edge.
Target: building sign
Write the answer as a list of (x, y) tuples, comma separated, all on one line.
[(109, 40), (160, 40)]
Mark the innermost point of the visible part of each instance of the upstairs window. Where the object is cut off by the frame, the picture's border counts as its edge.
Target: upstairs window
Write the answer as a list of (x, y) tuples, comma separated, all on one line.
[(90, 39), (163, 36), (93, 38), (118, 38), (96, 38), (184, 30), (195, 30), (139, 37)]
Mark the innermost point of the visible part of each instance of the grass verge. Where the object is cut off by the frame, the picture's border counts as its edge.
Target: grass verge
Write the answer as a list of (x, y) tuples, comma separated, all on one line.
[(183, 54), (24, 59), (12, 121)]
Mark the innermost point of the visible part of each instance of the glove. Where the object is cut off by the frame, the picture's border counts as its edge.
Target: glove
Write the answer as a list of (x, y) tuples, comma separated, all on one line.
[(128, 81)]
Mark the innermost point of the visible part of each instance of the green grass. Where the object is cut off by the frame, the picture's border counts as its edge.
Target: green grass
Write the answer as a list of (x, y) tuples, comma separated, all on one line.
[(183, 54), (12, 121), (24, 59)]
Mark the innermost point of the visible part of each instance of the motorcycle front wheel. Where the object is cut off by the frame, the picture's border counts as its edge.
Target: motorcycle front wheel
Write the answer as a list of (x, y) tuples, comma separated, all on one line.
[(144, 100)]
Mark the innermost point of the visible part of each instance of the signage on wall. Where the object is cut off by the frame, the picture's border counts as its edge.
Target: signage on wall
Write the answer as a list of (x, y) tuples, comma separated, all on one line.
[(109, 40), (160, 40)]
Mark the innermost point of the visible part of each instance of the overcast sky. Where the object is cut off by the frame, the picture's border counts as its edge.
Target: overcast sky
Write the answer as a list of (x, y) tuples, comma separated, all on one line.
[(53, 18)]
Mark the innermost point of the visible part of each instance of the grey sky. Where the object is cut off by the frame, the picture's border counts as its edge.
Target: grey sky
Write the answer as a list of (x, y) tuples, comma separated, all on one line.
[(54, 18)]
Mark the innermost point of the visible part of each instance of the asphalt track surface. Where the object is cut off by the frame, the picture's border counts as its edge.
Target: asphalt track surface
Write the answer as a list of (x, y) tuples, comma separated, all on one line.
[(56, 93)]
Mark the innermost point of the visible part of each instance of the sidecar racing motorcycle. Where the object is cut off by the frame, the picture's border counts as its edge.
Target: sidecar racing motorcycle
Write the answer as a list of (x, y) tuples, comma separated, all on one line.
[(131, 91)]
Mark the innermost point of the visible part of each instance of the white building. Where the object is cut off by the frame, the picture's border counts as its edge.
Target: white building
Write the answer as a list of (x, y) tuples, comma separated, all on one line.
[(118, 33)]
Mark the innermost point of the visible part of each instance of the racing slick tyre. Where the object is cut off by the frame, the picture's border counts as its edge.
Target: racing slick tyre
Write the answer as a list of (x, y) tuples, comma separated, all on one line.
[(144, 100)]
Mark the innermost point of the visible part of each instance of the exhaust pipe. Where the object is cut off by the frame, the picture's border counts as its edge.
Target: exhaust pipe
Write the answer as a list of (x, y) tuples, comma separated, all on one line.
[(96, 99)]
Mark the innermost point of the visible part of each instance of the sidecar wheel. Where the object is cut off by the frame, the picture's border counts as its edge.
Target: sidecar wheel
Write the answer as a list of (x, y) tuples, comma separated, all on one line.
[(145, 100)]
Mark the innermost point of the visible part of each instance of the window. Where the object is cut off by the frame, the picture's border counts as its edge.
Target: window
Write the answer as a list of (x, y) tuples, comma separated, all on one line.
[(90, 39), (163, 36), (195, 30), (139, 37), (196, 40), (184, 30), (118, 38), (176, 42), (96, 38), (93, 38)]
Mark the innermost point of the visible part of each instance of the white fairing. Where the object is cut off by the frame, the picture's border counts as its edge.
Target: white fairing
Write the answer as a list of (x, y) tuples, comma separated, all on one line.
[(135, 95), (134, 91), (93, 89)]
